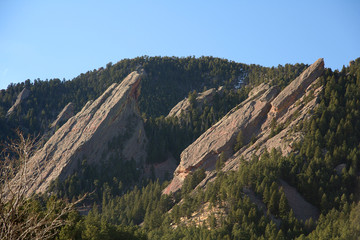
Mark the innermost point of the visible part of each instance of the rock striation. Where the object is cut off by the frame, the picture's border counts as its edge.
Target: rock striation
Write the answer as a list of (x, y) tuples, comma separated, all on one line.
[(87, 134), (255, 118), (20, 98)]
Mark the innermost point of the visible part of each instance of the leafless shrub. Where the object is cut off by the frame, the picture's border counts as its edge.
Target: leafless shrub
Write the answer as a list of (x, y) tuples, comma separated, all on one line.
[(22, 217)]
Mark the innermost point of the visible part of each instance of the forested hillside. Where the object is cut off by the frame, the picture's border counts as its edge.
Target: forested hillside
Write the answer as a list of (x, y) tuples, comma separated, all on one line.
[(249, 203), (331, 139), (169, 80)]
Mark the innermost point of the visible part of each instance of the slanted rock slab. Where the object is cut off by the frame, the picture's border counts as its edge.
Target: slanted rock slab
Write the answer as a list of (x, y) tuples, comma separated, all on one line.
[(87, 134)]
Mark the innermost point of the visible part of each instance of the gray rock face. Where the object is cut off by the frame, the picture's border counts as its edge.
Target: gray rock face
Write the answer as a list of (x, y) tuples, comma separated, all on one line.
[(253, 117), (64, 115), (184, 105), (297, 87), (20, 98), (87, 134)]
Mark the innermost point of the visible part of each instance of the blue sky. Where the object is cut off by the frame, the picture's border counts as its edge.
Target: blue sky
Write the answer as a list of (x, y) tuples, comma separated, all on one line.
[(61, 39)]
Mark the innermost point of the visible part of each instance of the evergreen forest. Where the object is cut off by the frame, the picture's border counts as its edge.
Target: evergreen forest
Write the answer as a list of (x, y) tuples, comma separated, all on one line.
[(119, 202)]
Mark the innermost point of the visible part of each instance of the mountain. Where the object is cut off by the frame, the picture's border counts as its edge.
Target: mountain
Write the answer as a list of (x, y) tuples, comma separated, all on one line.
[(114, 116), (168, 81), (252, 119), (250, 152)]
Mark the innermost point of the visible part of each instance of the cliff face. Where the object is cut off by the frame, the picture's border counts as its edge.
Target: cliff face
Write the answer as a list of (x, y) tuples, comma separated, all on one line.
[(20, 98), (64, 115), (256, 117), (297, 88), (87, 134)]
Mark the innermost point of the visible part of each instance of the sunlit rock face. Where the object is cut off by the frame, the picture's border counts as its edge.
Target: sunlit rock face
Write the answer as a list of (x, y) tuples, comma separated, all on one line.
[(254, 118), (87, 134)]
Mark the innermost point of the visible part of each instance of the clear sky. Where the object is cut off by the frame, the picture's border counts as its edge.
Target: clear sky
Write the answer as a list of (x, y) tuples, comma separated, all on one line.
[(61, 39)]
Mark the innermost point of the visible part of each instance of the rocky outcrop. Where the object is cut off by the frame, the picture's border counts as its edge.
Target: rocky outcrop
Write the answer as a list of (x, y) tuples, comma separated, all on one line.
[(287, 135), (303, 210), (20, 98), (248, 118), (64, 115), (259, 89), (183, 106), (87, 134), (162, 171), (297, 88), (339, 168), (200, 217), (255, 118)]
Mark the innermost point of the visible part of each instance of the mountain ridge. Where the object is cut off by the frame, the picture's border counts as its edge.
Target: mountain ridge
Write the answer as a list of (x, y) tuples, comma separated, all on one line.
[(287, 153)]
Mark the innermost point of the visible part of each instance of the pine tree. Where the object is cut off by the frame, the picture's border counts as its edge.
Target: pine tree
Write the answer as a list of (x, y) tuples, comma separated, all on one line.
[(324, 203), (220, 162), (273, 203), (239, 141), (283, 205)]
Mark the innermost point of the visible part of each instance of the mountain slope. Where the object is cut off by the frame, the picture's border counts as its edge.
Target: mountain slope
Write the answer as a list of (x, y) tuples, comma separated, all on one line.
[(87, 135), (168, 81), (330, 136), (265, 170), (251, 118)]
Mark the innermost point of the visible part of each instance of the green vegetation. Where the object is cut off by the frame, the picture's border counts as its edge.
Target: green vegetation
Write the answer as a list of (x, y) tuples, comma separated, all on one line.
[(112, 174), (127, 207), (239, 141), (168, 80)]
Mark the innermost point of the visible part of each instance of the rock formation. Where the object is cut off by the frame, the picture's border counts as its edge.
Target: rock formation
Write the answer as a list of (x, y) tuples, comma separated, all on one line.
[(297, 88), (64, 115), (255, 118), (87, 134), (303, 210), (20, 98), (247, 117), (183, 106)]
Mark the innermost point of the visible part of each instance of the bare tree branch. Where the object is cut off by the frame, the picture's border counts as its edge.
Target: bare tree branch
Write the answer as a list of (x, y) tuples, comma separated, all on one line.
[(19, 219)]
